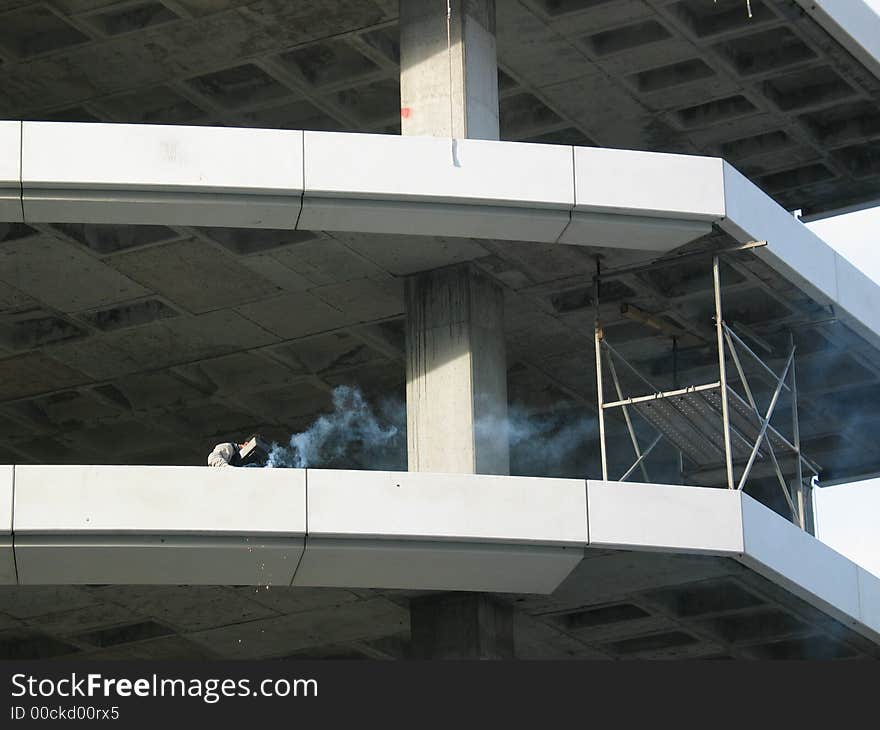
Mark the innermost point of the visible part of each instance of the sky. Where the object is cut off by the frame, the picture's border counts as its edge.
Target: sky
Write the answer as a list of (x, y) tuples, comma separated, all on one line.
[(848, 515)]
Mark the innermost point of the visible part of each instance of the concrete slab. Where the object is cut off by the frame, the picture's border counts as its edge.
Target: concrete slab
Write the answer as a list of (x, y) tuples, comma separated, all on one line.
[(277, 637), (401, 255), (44, 267), (365, 300), (295, 315), (165, 343), (664, 517), (325, 261), (10, 172), (187, 608), (203, 278), (113, 173)]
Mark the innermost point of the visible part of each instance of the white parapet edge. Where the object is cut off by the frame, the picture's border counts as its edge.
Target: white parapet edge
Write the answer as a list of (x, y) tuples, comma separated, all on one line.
[(470, 508), (143, 174), (442, 531), (663, 517), (11, 210), (158, 525), (159, 500)]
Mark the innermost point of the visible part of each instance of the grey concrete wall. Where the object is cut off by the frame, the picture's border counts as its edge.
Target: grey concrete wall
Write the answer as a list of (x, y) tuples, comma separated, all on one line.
[(449, 69)]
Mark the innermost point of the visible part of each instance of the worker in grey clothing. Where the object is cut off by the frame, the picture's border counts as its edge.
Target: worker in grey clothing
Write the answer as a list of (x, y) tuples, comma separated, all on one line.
[(224, 455)]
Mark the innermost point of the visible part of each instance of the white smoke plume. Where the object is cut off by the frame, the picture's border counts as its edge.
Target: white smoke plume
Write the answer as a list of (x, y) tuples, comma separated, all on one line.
[(352, 435), (548, 444), (357, 435)]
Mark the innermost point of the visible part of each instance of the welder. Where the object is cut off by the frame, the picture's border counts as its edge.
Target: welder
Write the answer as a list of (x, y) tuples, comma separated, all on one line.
[(252, 452)]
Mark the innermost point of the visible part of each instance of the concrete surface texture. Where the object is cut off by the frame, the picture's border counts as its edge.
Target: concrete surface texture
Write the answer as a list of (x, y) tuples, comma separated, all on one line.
[(662, 572), (776, 94), (456, 379), (448, 69)]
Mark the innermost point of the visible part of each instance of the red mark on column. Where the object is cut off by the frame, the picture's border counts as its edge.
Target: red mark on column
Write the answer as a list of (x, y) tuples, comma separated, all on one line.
[(405, 112)]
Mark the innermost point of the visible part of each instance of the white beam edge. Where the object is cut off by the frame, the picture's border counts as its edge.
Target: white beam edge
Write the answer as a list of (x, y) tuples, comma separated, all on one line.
[(432, 565), (466, 508), (869, 601), (664, 518), (652, 184), (77, 172), (10, 172), (156, 560), (801, 256), (426, 218), (438, 170), (127, 500), (632, 232), (804, 566), (130, 207)]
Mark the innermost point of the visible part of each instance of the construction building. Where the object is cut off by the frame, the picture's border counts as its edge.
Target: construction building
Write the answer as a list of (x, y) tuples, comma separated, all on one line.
[(566, 234)]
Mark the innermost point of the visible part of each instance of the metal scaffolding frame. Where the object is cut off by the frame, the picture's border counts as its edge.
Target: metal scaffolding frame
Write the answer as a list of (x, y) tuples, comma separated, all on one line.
[(710, 424)]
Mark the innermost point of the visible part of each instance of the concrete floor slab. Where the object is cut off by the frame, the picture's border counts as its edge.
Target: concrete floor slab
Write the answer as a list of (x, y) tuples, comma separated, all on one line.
[(44, 268), (203, 278), (278, 637), (295, 315)]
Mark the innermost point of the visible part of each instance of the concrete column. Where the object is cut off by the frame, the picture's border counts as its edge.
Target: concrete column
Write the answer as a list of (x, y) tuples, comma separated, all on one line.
[(448, 69), (461, 626), (456, 373)]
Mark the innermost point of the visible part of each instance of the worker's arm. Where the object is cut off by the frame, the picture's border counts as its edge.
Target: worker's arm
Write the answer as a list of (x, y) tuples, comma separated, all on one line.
[(222, 454)]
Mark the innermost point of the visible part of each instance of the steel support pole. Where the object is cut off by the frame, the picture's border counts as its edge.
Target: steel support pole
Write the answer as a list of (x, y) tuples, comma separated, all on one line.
[(742, 376), (600, 399), (796, 434), (600, 393), (722, 371), (629, 424), (766, 422)]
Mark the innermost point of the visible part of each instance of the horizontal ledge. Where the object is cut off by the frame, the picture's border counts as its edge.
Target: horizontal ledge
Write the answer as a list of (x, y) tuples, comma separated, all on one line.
[(428, 199), (123, 536), (429, 540)]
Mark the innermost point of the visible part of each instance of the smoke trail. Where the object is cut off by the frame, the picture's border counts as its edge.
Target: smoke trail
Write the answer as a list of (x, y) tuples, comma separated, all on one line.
[(352, 435), (356, 435), (544, 444)]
